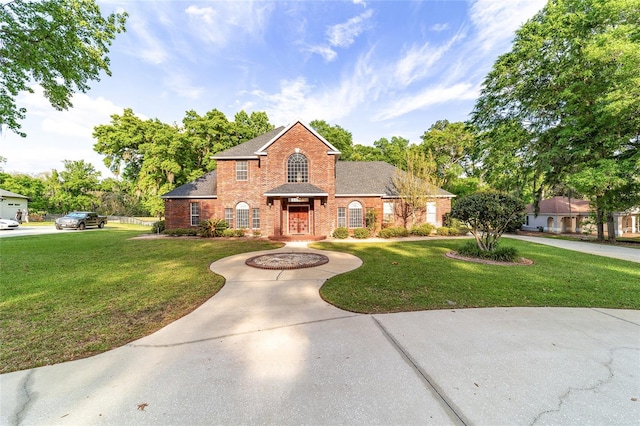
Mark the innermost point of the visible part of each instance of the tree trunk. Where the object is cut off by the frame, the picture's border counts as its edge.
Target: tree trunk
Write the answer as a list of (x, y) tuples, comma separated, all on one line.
[(599, 223), (611, 227)]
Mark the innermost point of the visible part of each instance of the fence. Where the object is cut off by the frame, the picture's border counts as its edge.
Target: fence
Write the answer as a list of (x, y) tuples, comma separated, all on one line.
[(130, 220)]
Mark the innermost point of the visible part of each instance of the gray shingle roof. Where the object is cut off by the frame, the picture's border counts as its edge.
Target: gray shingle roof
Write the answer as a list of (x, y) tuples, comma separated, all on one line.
[(5, 193), (370, 178), (205, 186), (249, 148), (297, 189)]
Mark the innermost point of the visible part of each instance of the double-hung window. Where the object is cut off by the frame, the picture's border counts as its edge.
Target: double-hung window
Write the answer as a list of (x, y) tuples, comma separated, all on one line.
[(228, 217), (255, 218), (242, 170), (342, 217), (194, 212)]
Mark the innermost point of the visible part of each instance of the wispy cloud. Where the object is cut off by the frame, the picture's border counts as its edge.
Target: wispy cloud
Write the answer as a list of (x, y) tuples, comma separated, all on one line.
[(497, 20), (416, 63), (439, 27), (341, 35), (148, 46), (428, 97), (344, 35), (179, 84)]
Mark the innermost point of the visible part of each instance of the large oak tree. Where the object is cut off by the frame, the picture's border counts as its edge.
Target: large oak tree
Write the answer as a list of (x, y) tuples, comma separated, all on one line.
[(563, 102)]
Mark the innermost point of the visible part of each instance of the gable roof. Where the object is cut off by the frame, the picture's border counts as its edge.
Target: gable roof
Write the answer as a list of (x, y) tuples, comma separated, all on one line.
[(558, 204), (357, 178), (205, 186), (247, 150), (257, 146), (5, 193)]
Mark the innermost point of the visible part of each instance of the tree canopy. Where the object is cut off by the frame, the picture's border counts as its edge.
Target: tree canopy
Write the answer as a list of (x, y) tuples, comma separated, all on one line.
[(563, 103), (59, 44)]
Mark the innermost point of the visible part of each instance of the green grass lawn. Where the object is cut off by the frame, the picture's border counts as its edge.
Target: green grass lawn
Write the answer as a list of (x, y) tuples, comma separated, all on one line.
[(74, 294), (409, 276)]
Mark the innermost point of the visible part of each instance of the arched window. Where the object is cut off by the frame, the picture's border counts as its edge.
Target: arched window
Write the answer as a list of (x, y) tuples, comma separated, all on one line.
[(297, 169), (242, 215), (355, 215)]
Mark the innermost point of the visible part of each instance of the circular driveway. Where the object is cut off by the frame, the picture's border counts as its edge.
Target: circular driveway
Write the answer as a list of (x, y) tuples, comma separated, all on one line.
[(268, 350)]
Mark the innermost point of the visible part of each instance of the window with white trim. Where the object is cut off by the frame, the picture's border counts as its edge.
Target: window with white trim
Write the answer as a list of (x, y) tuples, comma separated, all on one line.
[(194, 212), (431, 212), (388, 212), (355, 215), (297, 168), (242, 215), (228, 217), (242, 170), (255, 219), (342, 217)]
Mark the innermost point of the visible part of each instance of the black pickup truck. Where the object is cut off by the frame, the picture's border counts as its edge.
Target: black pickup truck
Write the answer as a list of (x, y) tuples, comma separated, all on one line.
[(81, 220)]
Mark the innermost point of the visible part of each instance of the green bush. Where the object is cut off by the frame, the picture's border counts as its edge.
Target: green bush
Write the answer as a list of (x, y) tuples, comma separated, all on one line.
[(157, 227), (178, 232), (443, 230), (422, 230), (228, 233), (212, 227), (500, 254), (393, 231), (361, 233), (240, 232), (341, 233)]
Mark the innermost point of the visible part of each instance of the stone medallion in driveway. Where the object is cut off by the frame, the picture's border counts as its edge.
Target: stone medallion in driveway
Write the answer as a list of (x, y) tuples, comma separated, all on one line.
[(268, 350)]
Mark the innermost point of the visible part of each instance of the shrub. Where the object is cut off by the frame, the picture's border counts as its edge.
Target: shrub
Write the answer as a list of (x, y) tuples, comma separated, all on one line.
[(361, 233), (157, 227), (370, 220), (500, 254), (422, 230), (177, 232), (257, 233), (227, 233), (393, 231), (239, 232), (341, 233), (443, 230)]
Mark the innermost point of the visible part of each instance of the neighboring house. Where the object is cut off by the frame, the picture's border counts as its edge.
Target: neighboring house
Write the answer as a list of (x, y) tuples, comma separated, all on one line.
[(10, 203), (563, 215), (289, 183)]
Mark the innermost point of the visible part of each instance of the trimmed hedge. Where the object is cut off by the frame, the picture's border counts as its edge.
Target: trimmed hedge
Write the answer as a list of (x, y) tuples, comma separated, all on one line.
[(361, 233), (393, 231), (422, 230), (500, 254), (341, 233), (181, 232)]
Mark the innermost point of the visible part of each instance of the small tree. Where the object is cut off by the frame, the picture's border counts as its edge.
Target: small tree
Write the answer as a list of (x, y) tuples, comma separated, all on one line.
[(488, 215)]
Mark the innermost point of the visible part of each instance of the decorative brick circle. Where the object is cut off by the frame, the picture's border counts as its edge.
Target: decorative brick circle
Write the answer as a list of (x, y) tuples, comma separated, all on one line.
[(287, 260)]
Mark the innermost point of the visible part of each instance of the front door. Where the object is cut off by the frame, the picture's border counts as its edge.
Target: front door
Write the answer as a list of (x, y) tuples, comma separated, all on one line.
[(298, 219)]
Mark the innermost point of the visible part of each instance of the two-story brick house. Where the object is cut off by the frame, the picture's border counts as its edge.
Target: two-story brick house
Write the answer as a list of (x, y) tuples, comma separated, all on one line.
[(289, 183)]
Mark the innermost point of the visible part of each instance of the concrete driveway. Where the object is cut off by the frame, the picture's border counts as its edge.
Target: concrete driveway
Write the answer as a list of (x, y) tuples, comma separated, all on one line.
[(268, 350)]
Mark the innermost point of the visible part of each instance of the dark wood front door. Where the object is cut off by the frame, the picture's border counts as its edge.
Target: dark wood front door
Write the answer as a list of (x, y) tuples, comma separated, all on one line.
[(298, 219)]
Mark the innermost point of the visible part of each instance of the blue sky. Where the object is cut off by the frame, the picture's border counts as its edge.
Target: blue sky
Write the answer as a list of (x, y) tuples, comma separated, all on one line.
[(376, 68)]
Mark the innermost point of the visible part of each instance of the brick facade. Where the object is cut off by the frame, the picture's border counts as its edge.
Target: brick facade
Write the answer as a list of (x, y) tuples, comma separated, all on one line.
[(281, 215)]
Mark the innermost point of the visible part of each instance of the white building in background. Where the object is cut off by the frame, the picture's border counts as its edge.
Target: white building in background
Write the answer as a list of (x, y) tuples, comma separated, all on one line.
[(559, 215), (10, 203)]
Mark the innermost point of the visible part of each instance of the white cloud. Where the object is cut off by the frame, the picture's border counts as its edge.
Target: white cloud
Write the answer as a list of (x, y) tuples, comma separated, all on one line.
[(344, 35), (148, 47), (439, 27), (417, 61), (497, 20), (225, 21), (427, 97), (179, 84), (323, 50)]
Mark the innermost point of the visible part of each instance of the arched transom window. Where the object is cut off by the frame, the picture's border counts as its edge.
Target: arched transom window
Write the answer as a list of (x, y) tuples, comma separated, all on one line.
[(355, 215), (242, 215), (297, 169)]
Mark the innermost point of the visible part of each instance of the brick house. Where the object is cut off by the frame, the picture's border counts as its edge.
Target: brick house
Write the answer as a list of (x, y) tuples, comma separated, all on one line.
[(288, 183)]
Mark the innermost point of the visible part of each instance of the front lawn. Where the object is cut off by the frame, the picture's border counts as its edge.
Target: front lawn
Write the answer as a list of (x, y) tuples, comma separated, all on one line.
[(415, 275), (73, 294)]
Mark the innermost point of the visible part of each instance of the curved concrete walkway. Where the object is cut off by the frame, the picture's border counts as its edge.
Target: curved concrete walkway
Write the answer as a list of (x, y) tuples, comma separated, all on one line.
[(268, 350)]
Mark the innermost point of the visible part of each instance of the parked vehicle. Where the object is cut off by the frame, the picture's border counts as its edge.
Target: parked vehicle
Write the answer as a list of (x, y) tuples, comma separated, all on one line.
[(81, 220), (8, 224)]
